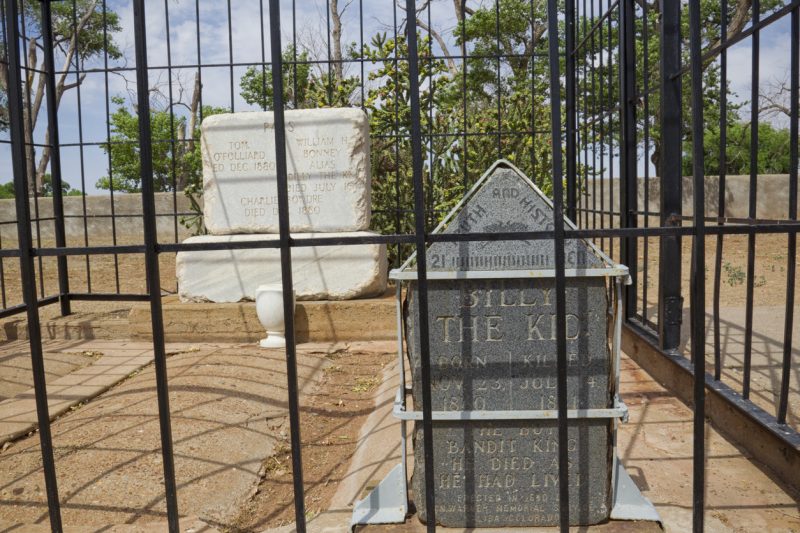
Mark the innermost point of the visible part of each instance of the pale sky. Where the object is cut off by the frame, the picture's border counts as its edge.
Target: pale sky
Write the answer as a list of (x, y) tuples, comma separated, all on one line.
[(246, 37)]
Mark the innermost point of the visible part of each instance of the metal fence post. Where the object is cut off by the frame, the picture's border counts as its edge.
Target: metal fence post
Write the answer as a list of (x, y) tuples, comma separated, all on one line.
[(26, 265), (670, 302), (571, 112), (560, 285), (55, 156), (422, 266), (151, 261), (629, 200), (698, 278), (286, 265)]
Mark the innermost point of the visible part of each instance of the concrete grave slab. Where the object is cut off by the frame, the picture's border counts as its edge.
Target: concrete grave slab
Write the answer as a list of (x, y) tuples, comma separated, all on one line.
[(319, 272)]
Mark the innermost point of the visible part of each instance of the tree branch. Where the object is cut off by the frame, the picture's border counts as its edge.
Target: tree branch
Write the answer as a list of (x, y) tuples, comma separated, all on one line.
[(451, 64)]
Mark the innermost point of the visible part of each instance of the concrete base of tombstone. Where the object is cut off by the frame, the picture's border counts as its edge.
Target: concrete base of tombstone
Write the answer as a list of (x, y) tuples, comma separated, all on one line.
[(319, 272)]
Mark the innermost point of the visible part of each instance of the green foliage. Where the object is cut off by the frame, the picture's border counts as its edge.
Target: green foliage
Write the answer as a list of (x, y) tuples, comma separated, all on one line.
[(95, 37), (66, 188), (735, 274), (7, 190), (256, 84), (302, 88), (772, 152), (176, 162), (710, 17)]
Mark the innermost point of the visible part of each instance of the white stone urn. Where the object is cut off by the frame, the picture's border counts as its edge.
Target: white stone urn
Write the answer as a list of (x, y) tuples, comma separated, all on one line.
[(269, 307)]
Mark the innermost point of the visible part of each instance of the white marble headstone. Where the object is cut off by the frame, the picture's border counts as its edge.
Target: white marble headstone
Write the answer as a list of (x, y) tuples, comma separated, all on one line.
[(327, 163)]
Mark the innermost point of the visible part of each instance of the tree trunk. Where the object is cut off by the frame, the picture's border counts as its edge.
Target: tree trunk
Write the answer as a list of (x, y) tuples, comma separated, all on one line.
[(29, 120), (185, 134), (336, 36)]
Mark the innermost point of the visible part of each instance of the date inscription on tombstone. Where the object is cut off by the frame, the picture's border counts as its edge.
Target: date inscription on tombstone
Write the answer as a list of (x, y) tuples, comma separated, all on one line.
[(328, 171), (493, 347)]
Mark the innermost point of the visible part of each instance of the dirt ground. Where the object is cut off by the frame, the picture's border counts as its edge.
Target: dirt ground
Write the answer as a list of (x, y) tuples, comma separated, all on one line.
[(331, 417), (125, 273), (230, 433)]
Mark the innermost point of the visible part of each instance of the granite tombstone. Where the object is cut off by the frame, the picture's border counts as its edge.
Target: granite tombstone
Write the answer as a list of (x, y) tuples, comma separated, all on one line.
[(493, 348)]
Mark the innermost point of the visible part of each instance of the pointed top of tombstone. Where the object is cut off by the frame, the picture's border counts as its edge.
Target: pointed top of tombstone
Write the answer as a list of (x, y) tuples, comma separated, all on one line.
[(505, 200)]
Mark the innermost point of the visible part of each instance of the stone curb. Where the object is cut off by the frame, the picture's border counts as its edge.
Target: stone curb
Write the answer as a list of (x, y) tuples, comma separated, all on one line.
[(119, 360)]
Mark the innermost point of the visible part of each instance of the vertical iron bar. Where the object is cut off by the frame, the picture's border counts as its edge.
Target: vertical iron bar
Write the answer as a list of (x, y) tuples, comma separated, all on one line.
[(603, 182), (558, 215), (609, 89), (151, 261), (30, 150), (646, 98), (571, 114), (108, 139), (670, 302), (84, 210), (422, 267), (286, 261), (26, 263), (628, 202), (199, 58), (698, 277), (751, 238), (173, 158), (55, 155), (723, 170), (591, 167), (585, 130), (230, 57), (794, 81), (499, 80)]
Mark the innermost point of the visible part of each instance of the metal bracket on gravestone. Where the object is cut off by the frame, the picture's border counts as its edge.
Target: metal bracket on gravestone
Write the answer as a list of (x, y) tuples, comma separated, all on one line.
[(629, 504), (385, 504)]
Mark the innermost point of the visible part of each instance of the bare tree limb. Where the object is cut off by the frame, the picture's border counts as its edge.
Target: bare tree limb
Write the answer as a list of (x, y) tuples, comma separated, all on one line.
[(36, 178), (451, 64), (336, 36)]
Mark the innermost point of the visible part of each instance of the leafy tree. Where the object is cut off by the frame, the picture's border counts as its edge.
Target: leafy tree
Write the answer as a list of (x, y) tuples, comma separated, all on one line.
[(773, 150), (177, 162), (256, 84), (7, 190), (737, 17), (82, 30), (302, 88), (66, 188)]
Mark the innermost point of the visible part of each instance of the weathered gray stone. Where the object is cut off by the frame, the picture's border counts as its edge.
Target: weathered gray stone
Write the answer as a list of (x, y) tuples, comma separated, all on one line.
[(506, 203), (493, 474), (493, 347)]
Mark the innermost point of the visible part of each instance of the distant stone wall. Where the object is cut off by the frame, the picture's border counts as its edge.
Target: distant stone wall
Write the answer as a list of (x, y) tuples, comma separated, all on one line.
[(772, 194), (127, 208)]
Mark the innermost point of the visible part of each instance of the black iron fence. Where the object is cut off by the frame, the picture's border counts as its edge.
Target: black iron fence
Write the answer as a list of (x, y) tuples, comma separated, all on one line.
[(595, 99)]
